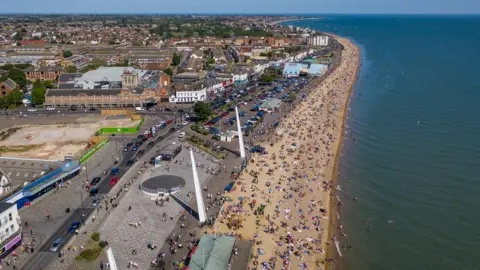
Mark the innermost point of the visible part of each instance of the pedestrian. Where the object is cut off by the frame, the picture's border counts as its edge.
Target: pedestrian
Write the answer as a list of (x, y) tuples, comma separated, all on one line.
[(101, 265)]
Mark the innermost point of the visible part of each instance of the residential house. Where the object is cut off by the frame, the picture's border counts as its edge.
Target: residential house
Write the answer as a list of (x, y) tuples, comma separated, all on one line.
[(6, 87)]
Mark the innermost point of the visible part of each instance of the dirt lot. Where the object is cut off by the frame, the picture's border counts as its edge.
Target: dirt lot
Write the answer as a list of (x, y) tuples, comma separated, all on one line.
[(66, 137)]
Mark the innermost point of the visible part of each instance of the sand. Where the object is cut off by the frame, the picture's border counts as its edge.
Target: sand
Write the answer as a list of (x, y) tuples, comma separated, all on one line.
[(292, 183)]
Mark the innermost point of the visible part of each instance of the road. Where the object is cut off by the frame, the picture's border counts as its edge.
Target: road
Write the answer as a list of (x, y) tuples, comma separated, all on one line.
[(43, 256)]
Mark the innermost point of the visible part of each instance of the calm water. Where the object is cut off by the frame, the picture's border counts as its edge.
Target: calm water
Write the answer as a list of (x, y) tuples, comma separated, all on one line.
[(414, 164)]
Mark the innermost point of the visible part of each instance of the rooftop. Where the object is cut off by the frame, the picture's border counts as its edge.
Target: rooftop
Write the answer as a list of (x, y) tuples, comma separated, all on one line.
[(111, 74), (4, 206)]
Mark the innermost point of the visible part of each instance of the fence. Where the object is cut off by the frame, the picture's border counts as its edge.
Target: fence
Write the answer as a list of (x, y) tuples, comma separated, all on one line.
[(92, 151)]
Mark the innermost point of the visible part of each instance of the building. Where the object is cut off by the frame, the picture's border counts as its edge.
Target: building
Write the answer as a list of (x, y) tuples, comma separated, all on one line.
[(43, 73), (318, 40), (7, 86), (186, 77), (109, 87), (216, 252), (10, 228), (188, 93), (79, 61), (5, 184), (317, 69), (292, 69), (270, 105)]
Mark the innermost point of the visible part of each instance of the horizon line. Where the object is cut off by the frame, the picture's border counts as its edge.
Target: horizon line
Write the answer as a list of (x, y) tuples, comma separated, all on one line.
[(239, 14)]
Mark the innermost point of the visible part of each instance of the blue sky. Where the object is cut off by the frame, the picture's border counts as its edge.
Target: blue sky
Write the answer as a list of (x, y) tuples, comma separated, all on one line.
[(242, 6)]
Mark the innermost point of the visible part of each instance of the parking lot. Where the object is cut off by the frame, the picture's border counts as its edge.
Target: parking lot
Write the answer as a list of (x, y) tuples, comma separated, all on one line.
[(249, 99)]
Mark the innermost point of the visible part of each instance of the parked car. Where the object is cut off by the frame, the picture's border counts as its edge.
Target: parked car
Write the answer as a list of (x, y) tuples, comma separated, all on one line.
[(56, 244), (32, 110), (113, 181), (169, 122), (181, 135), (95, 181), (140, 153), (75, 225), (130, 162), (95, 202), (185, 123), (93, 191)]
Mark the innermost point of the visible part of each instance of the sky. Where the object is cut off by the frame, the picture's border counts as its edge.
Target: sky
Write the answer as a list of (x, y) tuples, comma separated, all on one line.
[(244, 6)]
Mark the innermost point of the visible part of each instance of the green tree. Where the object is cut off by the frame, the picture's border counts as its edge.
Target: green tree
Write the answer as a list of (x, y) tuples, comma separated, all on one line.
[(67, 54), (17, 37), (176, 59), (71, 69), (292, 96), (202, 110), (48, 84), (267, 78), (211, 61), (15, 98), (168, 71), (18, 76), (38, 92)]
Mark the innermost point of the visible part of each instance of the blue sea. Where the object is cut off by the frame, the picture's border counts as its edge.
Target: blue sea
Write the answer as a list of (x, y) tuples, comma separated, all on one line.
[(412, 159)]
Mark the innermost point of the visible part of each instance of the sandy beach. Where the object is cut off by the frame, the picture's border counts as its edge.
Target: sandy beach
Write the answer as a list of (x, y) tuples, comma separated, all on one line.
[(285, 198)]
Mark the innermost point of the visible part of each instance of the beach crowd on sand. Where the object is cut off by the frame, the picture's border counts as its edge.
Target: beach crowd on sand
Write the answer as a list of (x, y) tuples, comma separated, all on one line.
[(284, 198)]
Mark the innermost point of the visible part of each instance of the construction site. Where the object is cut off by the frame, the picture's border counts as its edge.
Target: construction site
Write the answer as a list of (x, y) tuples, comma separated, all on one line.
[(55, 141)]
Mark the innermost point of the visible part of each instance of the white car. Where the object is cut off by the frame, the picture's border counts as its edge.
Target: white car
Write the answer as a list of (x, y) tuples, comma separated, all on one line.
[(50, 109), (185, 123), (181, 135), (32, 110)]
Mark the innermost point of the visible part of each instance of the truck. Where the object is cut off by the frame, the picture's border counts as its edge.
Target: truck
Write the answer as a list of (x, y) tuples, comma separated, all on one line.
[(114, 171)]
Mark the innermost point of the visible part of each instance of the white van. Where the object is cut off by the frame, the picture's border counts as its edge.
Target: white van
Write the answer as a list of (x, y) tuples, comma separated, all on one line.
[(139, 109)]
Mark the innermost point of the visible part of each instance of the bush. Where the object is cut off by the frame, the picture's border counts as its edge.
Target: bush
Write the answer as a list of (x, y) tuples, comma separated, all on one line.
[(102, 244), (90, 254), (96, 236)]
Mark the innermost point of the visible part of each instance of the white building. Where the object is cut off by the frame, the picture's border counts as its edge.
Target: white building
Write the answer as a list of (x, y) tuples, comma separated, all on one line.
[(318, 40), (10, 227), (189, 95), (5, 185)]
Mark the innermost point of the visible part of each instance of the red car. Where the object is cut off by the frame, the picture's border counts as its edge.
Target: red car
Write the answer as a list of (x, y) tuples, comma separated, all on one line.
[(169, 122), (224, 114), (113, 181)]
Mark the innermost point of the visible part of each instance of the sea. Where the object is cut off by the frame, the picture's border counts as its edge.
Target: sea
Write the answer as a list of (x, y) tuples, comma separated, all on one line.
[(410, 166)]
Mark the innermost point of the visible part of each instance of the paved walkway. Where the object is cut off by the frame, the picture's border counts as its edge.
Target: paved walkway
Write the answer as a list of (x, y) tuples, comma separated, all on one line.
[(124, 237)]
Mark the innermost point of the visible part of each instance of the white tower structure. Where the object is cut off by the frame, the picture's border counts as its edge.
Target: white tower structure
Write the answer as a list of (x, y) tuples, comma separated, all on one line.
[(198, 191), (111, 259), (240, 135)]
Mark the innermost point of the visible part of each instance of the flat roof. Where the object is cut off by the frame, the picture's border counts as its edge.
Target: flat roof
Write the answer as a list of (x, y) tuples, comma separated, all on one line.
[(19, 169), (213, 253), (111, 74)]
